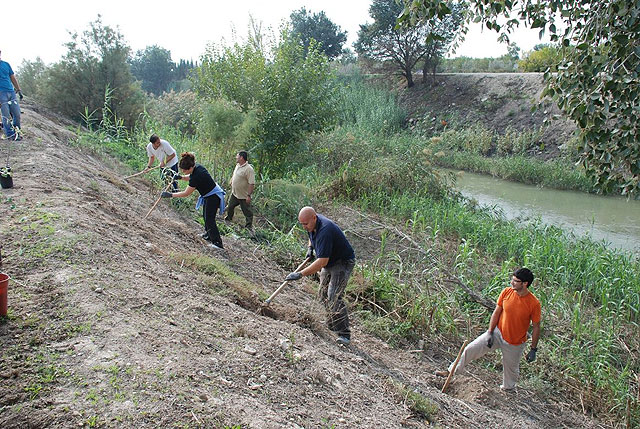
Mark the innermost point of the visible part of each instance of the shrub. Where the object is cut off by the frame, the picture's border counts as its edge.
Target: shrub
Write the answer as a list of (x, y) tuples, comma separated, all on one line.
[(545, 57), (292, 95), (31, 75), (182, 110), (94, 64), (369, 108)]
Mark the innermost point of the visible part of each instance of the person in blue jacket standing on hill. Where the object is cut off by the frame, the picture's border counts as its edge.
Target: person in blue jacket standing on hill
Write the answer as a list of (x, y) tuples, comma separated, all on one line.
[(9, 106)]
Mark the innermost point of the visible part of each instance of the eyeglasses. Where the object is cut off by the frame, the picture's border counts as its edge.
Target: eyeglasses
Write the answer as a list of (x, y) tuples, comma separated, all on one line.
[(516, 280)]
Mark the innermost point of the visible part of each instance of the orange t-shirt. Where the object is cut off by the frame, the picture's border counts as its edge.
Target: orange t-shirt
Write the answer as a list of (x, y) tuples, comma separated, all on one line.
[(517, 313)]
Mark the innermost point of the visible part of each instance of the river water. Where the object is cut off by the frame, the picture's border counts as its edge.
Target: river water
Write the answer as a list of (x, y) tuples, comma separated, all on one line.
[(612, 219)]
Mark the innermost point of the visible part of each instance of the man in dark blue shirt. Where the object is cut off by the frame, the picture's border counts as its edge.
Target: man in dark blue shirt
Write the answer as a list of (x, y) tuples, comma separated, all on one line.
[(335, 261)]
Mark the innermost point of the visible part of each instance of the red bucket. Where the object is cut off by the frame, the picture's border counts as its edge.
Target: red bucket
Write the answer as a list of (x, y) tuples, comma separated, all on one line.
[(4, 285)]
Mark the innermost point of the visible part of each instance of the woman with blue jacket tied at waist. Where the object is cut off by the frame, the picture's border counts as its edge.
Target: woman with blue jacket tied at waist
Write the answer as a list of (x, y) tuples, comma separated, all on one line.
[(211, 195)]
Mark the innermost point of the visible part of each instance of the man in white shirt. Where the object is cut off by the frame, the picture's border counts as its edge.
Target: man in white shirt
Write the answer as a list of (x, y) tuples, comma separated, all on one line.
[(243, 182), (162, 151)]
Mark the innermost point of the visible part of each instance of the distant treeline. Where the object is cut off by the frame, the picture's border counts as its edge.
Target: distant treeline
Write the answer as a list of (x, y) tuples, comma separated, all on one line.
[(542, 57)]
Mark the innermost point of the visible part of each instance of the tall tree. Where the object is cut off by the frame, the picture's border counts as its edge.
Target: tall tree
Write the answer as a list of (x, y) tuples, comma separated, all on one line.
[(235, 73), (404, 47), (95, 64), (442, 34), (597, 83), (290, 95), (320, 28), (153, 68), (31, 76)]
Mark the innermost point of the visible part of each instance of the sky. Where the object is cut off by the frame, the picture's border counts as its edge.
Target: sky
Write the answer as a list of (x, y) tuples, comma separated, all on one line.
[(39, 28)]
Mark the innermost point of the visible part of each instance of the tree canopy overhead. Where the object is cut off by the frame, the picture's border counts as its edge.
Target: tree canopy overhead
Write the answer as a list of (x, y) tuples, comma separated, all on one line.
[(319, 27), (597, 83)]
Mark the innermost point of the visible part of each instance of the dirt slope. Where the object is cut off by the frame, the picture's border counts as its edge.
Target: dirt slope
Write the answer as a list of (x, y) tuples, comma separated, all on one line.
[(497, 101), (120, 322)]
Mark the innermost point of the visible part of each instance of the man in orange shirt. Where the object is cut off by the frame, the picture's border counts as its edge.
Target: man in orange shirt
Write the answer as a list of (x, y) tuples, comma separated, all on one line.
[(516, 309)]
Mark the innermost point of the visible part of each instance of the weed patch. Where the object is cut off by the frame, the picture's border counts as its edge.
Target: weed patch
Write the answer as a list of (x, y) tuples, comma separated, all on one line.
[(415, 401)]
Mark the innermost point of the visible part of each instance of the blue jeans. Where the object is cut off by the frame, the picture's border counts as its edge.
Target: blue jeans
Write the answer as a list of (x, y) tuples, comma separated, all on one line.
[(10, 109)]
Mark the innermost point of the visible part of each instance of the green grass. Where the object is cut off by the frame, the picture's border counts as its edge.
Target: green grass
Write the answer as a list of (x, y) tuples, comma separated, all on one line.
[(416, 402), (506, 154), (366, 107), (222, 276)]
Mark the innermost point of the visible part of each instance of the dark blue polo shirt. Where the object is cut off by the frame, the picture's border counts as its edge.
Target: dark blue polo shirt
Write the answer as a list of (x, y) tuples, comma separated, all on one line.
[(329, 241)]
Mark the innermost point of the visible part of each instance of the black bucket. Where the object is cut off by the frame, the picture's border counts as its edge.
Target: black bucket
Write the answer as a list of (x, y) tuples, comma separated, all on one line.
[(6, 181)]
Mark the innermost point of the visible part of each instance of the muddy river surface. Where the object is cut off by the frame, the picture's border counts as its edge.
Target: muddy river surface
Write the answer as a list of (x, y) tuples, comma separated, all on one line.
[(612, 219)]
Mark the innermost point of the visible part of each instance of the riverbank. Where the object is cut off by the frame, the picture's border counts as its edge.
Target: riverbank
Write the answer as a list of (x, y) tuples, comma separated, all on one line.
[(613, 220), (559, 173), (497, 124), (589, 293)]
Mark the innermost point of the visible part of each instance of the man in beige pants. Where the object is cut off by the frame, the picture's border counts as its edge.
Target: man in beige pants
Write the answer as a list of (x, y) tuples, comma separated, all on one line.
[(516, 309), (243, 182)]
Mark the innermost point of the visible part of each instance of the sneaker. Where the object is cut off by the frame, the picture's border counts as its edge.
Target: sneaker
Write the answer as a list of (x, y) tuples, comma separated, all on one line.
[(508, 389), (215, 246), (441, 373), (343, 340), (205, 236)]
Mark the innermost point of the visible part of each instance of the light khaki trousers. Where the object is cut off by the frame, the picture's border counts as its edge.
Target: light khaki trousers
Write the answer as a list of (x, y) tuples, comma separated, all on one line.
[(510, 356)]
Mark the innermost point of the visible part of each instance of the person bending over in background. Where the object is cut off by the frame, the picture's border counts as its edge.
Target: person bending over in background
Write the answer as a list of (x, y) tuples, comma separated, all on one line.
[(211, 196), (335, 262), (516, 309), (8, 102), (162, 151)]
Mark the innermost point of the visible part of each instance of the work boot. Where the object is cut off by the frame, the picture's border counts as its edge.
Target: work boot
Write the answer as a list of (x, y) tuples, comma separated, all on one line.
[(343, 340)]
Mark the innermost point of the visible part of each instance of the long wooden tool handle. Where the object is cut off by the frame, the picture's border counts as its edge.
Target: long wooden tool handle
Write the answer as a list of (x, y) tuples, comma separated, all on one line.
[(277, 291), (140, 172), (455, 364), (157, 201)]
